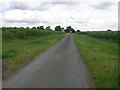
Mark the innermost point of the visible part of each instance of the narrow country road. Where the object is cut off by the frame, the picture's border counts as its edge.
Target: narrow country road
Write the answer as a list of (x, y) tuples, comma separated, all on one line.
[(58, 67)]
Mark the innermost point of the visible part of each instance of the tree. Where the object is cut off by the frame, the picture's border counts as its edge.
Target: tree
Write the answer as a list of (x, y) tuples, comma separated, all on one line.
[(38, 27), (69, 29), (58, 28), (73, 31), (42, 27), (33, 27), (14, 27), (21, 27), (109, 30), (78, 30), (48, 28)]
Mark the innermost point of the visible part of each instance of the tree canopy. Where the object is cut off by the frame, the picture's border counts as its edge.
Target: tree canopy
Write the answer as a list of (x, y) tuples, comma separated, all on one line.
[(69, 29), (78, 30), (48, 28), (58, 28)]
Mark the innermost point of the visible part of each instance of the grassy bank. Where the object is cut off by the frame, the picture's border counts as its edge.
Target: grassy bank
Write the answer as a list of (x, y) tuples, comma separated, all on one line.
[(18, 50), (101, 59)]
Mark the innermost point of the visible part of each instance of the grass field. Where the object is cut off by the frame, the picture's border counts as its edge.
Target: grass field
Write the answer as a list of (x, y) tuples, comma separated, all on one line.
[(17, 50), (101, 59), (108, 35), (0, 44)]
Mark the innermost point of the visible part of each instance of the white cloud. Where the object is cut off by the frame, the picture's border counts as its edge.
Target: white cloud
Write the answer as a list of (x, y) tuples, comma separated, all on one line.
[(83, 15), (20, 15)]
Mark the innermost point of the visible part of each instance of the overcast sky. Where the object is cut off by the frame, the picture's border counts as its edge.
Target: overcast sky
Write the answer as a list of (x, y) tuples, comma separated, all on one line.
[(80, 14)]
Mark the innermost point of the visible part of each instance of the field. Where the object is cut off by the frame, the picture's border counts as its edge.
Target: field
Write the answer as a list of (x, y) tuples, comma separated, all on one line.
[(21, 45), (99, 50), (0, 44), (100, 57), (108, 35)]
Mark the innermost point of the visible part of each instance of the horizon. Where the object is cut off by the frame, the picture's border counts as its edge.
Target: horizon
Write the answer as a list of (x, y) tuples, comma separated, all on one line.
[(62, 27)]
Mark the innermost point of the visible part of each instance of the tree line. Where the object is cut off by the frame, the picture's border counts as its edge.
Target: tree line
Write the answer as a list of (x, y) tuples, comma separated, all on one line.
[(57, 28)]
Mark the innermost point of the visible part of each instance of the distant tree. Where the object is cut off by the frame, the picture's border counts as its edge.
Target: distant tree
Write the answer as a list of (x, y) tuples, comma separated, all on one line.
[(27, 27), (33, 27), (58, 28), (22, 27), (42, 27), (78, 30), (69, 29), (73, 31), (109, 30), (48, 28), (14, 27), (38, 27)]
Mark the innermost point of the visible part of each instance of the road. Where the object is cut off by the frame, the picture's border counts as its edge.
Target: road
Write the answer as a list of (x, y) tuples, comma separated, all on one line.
[(58, 67)]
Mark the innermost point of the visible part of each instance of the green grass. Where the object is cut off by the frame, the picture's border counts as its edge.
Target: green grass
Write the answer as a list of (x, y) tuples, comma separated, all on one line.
[(109, 35), (24, 33), (18, 51), (0, 44), (101, 59)]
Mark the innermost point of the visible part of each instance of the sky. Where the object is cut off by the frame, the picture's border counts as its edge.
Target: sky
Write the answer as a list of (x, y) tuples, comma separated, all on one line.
[(84, 15)]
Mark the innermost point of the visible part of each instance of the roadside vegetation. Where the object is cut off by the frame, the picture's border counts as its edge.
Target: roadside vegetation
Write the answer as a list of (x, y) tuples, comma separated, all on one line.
[(0, 43), (108, 35), (20, 45), (99, 51)]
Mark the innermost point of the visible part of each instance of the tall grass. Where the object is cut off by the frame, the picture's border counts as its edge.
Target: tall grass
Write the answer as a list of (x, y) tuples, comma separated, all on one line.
[(24, 33), (101, 59), (11, 35), (110, 35)]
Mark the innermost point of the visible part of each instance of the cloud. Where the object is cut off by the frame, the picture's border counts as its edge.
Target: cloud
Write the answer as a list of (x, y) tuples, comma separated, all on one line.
[(19, 15), (65, 3), (83, 15), (28, 16), (25, 5), (103, 5), (18, 5)]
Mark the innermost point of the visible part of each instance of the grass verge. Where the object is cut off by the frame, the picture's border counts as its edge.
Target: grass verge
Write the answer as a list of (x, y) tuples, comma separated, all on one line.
[(101, 59), (18, 51)]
